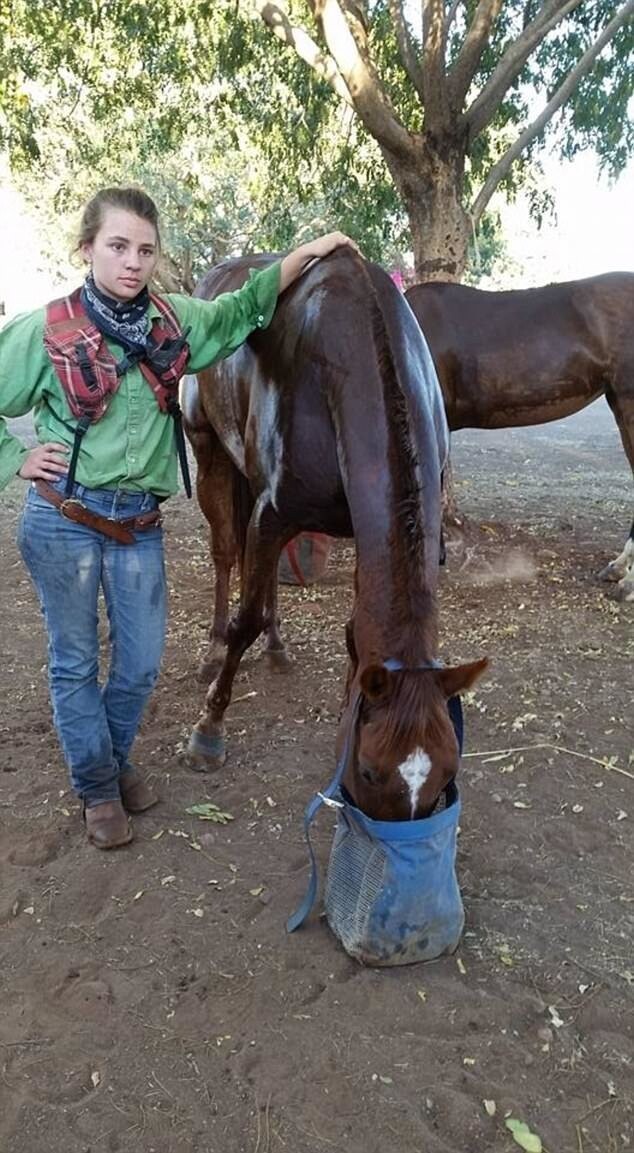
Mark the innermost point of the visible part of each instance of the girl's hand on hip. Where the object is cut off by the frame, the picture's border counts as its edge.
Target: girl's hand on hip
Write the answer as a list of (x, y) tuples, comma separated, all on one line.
[(45, 462)]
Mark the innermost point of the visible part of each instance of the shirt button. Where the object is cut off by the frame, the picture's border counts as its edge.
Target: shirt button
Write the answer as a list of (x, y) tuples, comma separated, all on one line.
[(260, 321)]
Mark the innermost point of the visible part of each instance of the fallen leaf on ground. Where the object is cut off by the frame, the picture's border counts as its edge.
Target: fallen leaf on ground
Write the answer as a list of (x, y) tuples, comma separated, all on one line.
[(554, 1016), (207, 811), (522, 1135)]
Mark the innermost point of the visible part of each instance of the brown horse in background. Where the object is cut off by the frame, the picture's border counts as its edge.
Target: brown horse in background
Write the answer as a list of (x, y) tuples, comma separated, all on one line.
[(531, 356), (332, 421)]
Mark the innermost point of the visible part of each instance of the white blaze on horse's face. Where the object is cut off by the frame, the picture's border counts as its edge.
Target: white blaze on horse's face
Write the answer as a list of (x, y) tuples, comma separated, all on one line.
[(415, 771)]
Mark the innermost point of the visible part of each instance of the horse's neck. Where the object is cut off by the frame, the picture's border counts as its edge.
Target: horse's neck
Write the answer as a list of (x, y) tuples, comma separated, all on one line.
[(394, 615), (389, 453)]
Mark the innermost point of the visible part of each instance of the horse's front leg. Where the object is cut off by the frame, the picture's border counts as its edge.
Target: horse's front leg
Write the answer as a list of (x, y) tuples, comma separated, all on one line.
[(263, 547), (223, 551), (214, 489)]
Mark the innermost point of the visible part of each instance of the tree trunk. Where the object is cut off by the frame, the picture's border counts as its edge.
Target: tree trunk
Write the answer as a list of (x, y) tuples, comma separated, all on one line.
[(430, 184), (431, 188)]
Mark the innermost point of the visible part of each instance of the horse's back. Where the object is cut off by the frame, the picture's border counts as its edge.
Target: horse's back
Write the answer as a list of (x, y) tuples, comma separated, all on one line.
[(447, 301), (524, 356)]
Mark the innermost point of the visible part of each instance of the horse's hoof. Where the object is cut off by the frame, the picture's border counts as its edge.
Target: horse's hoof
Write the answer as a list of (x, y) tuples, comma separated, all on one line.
[(206, 753), (279, 660), (610, 573), (625, 591)]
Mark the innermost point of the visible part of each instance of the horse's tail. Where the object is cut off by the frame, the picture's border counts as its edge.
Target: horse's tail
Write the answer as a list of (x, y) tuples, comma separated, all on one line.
[(242, 508)]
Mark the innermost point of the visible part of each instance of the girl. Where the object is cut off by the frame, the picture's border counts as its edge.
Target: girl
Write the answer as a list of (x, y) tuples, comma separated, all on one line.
[(100, 369)]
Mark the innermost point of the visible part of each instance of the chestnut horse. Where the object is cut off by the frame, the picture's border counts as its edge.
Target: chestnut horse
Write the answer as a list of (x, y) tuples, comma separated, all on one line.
[(535, 355), (332, 420)]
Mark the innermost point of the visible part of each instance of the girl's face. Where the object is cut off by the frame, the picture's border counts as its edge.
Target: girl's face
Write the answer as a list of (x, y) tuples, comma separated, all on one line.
[(123, 254)]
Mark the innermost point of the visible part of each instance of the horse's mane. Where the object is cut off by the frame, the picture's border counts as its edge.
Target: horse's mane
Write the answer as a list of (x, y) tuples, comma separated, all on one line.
[(408, 543)]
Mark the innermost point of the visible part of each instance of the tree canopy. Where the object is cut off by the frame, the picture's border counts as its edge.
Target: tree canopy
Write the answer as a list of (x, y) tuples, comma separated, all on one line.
[(252, 119)]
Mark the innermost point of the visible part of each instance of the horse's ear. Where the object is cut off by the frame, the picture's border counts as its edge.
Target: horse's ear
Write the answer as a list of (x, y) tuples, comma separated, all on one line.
[(375, 683), (460, 678)]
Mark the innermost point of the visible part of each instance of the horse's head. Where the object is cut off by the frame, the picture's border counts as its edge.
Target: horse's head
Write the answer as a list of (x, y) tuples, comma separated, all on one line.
[(405, 751)]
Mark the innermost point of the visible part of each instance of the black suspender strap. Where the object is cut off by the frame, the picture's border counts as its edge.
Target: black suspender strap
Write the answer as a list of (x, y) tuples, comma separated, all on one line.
[(83, 424), (174, 409)]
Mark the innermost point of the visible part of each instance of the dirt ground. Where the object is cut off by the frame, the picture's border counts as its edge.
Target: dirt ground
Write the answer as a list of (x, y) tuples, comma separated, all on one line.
[(151, 999)]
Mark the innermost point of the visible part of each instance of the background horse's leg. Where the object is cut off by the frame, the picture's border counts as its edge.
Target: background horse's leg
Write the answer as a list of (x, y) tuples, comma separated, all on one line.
[(275, 651), (214, 489), (621, 400), (451, 516), (263, 546)]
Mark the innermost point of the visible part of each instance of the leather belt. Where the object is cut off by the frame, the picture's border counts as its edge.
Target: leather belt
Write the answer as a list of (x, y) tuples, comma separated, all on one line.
[(120, 530)]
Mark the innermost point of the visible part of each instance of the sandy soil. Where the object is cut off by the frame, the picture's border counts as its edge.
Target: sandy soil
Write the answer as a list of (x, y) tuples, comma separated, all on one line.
[(151, 1000)]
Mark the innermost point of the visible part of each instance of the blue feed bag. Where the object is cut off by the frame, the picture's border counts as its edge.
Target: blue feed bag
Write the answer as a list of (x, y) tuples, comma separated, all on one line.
[(392, 896)]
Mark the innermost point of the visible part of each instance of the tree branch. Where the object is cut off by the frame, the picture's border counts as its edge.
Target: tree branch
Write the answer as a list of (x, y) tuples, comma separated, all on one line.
[(465, 65), (451, 16), (366, 91), (434, 78), (563, 93), (509, 67), (323, 65), (406, 46)]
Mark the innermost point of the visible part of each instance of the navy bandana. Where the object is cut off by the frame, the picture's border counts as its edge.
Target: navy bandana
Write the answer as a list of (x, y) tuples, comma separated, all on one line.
[(125, 321), (128, 323)]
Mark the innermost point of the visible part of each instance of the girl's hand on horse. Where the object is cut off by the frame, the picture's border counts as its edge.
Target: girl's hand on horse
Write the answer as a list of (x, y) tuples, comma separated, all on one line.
[(44, 462), (298, 261), (325, 244)]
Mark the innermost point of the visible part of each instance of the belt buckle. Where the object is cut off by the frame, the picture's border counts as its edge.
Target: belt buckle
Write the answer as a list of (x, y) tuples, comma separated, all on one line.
[(70, 500)]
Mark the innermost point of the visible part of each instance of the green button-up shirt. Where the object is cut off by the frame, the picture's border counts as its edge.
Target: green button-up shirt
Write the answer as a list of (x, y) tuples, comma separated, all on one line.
[(132, 446)]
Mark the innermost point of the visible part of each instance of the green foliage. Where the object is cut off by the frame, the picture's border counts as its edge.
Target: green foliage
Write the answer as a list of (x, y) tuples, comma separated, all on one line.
[(241, 157), (487, 250), (596, 116), (240, 142)]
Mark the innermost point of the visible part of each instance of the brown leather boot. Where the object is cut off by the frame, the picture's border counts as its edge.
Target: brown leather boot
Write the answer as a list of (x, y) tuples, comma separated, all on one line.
[(107, 825), (136, 794)]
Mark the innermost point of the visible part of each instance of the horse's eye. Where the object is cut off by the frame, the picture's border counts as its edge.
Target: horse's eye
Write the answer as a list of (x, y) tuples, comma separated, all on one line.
[(368, 771)]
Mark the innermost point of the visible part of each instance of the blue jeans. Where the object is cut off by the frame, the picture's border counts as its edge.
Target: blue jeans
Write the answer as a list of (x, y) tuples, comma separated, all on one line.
[(69, 563)]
